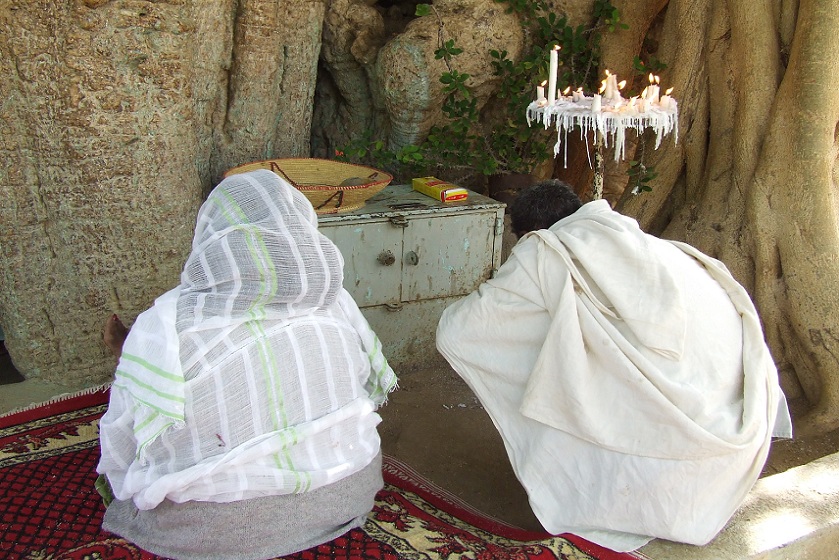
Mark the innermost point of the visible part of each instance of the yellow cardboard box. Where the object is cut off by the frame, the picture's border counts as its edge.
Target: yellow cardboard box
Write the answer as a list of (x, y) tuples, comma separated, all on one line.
[(439, 190)]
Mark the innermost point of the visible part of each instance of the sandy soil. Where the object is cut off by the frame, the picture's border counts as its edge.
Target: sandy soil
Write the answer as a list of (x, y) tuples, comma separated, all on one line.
[(435, 424)]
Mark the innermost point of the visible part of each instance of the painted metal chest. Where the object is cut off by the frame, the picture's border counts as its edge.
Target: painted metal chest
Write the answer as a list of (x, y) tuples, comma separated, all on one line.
[(407, 256)]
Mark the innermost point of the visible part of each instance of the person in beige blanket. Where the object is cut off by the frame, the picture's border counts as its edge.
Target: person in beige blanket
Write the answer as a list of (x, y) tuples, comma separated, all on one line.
[(627, 375)]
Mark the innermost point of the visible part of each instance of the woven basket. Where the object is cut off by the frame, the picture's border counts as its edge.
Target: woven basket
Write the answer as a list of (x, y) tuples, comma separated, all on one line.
[(320, 180)]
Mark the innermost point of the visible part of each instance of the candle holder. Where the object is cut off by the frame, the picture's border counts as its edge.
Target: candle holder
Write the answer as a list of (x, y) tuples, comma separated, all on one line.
[(608, 118)]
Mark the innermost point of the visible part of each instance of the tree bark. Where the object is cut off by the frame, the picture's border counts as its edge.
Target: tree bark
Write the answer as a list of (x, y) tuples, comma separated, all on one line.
[(753, 180), (794, 188), (116, 118), (97, 144)]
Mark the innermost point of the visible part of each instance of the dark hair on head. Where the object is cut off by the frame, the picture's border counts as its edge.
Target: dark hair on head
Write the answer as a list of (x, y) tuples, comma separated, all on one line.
[(542, 205)]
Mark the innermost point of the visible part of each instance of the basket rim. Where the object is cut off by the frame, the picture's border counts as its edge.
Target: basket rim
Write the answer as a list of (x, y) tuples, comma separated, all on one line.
[(315, 186)]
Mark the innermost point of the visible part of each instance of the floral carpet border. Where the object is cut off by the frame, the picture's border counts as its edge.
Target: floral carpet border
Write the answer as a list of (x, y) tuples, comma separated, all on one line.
[(47, 466)]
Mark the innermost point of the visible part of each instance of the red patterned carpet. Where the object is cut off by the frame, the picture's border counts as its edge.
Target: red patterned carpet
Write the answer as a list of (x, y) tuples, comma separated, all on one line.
[(49, 509)]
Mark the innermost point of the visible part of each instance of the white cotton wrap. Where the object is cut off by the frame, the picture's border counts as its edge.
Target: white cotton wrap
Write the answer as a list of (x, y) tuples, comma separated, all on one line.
[(257, 375), (628, 377)]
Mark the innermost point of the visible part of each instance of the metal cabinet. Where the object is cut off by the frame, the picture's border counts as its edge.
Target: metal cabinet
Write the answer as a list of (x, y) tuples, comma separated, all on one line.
[(407, 256)]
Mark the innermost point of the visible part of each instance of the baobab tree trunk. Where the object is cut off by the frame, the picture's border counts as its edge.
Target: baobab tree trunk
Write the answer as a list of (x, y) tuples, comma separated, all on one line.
[(753, 180), (116, 118)]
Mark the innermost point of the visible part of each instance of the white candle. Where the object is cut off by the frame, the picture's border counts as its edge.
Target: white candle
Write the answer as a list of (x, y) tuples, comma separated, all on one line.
[(614, 92), (654, 88), (552, 75), (540, 93), (667, 103), (606, 87), (620, 86), (595, 104)]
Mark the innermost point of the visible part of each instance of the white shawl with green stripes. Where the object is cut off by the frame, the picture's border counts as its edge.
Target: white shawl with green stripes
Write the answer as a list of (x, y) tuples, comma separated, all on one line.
[(258, 375)]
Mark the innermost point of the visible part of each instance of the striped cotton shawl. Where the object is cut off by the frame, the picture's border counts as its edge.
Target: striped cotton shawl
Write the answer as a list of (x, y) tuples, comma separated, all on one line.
[(258, 374)]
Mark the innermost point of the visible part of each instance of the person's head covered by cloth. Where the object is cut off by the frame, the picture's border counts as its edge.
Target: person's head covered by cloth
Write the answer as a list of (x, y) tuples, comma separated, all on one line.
[(257, 253), (256, 376)]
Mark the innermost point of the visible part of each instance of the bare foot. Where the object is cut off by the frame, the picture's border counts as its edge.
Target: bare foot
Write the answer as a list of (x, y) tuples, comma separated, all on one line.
[(114, 335)]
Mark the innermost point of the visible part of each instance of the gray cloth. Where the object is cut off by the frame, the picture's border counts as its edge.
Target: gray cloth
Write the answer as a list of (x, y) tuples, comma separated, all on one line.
[(254, 529)]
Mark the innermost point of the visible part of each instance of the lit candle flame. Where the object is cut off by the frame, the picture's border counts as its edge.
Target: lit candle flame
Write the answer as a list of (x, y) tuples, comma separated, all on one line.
[(544, 83), (657, 81), (669, 91), (608, 73), (566, 90), (652, 78), (621, 84)]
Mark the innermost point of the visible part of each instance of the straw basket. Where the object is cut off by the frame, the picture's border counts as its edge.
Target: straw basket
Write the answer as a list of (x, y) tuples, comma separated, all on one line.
[(331, 186)]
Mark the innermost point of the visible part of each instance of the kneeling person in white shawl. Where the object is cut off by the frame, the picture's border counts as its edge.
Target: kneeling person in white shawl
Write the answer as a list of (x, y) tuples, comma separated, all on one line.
[(242, 419), (628, 375)]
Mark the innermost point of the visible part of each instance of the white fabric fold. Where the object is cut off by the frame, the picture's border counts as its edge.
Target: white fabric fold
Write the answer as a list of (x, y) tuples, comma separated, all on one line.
[(382, 379), (628, 377), (150, 370), (595, 242)]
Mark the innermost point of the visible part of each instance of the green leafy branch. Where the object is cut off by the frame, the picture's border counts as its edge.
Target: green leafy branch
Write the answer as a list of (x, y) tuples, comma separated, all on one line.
[(652, 66), (497, 141), (609, 15), (640, 174)]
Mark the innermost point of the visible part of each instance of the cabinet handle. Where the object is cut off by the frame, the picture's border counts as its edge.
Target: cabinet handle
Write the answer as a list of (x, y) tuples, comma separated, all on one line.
[(411, 257), (386, 258)]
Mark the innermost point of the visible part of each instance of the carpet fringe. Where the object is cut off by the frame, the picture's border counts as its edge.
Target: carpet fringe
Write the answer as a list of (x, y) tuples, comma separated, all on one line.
[(60, 398)]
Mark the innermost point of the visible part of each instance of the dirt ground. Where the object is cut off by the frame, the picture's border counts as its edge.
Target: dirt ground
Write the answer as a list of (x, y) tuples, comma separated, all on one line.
[(435, 424)]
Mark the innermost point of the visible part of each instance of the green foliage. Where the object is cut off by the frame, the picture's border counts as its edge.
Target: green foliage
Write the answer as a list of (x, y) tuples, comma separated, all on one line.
[(609, 15), (423, 10), (578, 56), (652, 66), (403, 162), (517, 146), (472, 143), (640, 176), (447, 51)]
